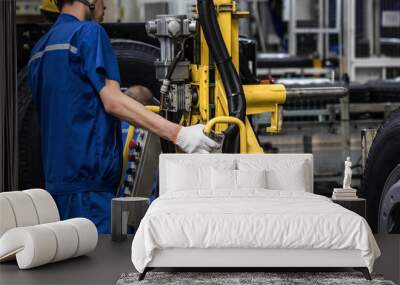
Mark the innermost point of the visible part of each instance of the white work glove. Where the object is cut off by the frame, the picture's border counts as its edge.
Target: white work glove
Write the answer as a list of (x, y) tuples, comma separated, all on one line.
[(193, 140)]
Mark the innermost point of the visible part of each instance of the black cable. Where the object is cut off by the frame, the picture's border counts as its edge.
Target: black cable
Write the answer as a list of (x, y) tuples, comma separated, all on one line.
[(175, 61), (229, 76)]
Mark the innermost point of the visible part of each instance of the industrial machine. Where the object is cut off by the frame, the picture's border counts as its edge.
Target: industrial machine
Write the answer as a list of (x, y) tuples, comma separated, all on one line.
[(207, 89), (199, 72)]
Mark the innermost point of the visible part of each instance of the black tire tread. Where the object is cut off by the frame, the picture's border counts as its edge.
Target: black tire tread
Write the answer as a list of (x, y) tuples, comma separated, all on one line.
[(141, 56), (382, 159)]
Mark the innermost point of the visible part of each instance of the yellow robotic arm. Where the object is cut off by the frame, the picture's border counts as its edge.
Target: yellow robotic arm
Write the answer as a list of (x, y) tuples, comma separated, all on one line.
[(207, 89), (259, 98)]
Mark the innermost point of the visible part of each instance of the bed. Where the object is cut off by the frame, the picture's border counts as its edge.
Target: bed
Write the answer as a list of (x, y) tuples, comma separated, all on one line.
[(244, 210)]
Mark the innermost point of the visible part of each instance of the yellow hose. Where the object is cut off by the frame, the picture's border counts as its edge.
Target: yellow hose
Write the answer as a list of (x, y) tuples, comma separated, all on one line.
[(129, 137)]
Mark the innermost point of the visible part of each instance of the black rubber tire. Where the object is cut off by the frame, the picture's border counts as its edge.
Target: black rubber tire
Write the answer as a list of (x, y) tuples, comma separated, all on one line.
[(383, 157), (131, 55), (392, 179), (136, 64)]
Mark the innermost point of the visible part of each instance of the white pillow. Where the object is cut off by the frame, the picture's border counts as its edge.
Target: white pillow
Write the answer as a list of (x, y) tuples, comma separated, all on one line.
[(279, 180), (183, 178), (281, 174), (251, 178), (187, 175), (223, 179)]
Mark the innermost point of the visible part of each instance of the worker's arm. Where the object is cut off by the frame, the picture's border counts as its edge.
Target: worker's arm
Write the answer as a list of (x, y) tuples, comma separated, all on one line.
[(121, 106), (189, 139)]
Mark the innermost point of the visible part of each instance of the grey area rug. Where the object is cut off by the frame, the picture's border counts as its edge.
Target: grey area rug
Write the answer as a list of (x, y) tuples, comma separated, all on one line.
[(236, 278)]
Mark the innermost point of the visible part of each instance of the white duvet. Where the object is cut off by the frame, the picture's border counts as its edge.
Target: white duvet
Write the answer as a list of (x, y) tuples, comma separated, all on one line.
[(253, 218)]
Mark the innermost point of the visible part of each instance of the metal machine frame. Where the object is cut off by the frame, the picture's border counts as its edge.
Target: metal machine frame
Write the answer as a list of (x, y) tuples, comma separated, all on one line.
[(352, 63), (259, 98), (323, 31)]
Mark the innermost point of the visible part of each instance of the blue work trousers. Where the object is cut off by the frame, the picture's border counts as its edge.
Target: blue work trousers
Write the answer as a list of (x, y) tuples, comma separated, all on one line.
[(95, 206)]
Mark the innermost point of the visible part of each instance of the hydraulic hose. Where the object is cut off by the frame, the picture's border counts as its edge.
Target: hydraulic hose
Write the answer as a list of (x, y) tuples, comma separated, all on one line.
[(229, 76)]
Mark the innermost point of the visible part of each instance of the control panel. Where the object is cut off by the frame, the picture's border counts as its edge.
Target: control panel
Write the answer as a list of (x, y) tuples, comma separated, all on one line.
[(142, 164)]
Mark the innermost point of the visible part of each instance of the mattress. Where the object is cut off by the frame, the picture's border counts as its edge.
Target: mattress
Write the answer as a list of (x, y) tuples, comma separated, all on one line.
[(251, 219)]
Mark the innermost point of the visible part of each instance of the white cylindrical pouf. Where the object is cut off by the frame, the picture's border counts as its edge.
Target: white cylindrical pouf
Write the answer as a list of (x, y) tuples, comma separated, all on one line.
[(67, 240), (45, 206), (87, 235), (23, 208), (7, 218)]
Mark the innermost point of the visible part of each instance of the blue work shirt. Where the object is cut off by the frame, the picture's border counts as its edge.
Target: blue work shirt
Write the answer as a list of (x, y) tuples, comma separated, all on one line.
[(81, 143)]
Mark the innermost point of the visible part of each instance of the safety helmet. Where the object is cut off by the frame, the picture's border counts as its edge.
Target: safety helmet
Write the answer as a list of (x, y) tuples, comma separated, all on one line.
[(89, 3), (49, 6)]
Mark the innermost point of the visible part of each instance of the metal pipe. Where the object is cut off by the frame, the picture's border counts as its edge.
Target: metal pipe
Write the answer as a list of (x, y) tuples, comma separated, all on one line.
[(295, 93), (229, 120), (155, 109), (260, 28), (345, 126)]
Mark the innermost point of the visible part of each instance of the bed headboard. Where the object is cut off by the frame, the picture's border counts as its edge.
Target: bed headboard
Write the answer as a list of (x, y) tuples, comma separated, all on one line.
[(269, 160)]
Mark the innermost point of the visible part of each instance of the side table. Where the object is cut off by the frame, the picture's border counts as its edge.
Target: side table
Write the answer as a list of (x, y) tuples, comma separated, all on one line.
[(126, 211), (357, 205)]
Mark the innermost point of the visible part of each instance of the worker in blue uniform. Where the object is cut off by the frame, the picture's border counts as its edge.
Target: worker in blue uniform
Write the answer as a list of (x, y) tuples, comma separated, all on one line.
[(74, 79)]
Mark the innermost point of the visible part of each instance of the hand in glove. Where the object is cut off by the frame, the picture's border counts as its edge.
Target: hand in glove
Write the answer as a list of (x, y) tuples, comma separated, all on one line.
[(193, 140)]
